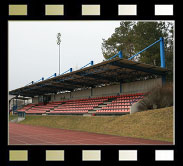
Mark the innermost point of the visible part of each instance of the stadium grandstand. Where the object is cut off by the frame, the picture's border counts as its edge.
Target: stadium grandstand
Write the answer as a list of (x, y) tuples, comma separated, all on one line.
[(107, 88)]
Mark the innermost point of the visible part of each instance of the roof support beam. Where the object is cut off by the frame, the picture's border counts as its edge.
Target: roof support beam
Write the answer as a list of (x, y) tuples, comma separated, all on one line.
[(59, 85), (93, 71), (78, 83), (135, 67), (56, 88), (111, 79)]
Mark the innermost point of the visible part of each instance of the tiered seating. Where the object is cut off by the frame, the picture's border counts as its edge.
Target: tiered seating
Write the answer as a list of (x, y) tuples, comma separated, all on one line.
[(25, 108), (68, 112), (39, 109), (35, 112), (118, 105), (42, 109), (78, 106), (122, 104)]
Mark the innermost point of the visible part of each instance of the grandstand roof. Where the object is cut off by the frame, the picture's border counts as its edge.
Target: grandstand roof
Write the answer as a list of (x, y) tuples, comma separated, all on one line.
[(115, 70)]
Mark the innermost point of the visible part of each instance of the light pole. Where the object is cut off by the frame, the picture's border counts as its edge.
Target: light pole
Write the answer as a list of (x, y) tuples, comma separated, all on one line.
[(58, 42)]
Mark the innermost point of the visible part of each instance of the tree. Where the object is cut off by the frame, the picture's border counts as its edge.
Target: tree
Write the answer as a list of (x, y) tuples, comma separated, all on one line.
[(169, 51), (122, 39), (132, 37)]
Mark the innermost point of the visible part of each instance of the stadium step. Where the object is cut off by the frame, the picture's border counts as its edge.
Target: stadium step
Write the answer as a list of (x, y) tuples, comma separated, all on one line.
[(87, 114), (101, 105), (104, 104), (91, 112), (111, 99), (108, 102), (97, 108), (57, 106)]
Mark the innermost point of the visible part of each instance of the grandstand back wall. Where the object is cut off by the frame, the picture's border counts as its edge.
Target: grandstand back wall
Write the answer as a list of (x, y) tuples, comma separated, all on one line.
[(132, 87)]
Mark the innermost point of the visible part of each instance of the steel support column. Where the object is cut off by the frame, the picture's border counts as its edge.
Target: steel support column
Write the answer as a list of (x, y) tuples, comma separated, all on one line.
[(163, 79), (91, 91), (121, 90), (162, 52)]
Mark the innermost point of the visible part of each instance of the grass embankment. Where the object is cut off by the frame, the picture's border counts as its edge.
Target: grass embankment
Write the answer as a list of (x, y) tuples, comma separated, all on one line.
[(154, 124), (11, 117)]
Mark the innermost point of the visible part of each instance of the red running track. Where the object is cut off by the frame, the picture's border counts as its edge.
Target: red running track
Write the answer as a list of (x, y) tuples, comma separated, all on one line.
[(20, 134)]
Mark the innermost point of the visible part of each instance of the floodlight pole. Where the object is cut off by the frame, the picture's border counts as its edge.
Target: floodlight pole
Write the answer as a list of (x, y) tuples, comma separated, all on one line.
[(58, 42)]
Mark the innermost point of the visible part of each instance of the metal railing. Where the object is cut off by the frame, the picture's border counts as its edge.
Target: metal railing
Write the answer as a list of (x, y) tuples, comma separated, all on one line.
[(136, 99)]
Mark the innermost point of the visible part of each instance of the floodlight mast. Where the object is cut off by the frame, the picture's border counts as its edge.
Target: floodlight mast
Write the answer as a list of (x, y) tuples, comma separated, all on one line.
[(58, 42)]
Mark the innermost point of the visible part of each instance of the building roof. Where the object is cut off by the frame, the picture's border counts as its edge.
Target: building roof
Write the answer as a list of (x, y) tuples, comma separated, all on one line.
[(106, 72)]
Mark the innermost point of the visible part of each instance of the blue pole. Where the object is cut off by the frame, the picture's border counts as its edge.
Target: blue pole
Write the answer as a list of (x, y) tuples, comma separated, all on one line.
[(163, 78), (16, 104), (120, 54), (143, 50), (70, 69), (162, 52), (162, 57), (91, 63)]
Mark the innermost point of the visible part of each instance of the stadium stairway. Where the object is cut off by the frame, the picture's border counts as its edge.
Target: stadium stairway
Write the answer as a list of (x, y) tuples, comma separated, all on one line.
[(99, 107)]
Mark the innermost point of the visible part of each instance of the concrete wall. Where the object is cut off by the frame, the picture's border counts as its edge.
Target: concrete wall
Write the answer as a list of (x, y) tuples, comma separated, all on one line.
[(132, 87), (141, 86), (107, 90), (35, 100), (59, 97), (81, 94)]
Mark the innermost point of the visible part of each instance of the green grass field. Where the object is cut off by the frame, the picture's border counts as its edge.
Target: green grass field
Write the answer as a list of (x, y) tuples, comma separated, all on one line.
[(11, 117), (154, 124)]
